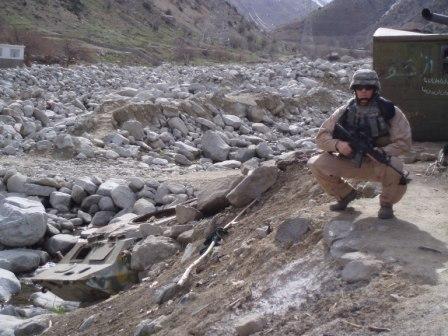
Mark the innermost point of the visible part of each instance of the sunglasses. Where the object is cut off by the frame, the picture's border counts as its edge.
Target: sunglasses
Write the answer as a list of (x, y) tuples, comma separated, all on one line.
[(364, 87)]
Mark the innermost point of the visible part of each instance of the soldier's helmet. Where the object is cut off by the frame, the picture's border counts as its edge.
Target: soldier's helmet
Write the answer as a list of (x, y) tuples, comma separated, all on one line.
[(365, 77)]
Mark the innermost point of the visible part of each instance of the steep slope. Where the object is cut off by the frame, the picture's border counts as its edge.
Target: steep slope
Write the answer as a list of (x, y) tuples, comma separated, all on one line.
[(343, 23), (406, 14), (350, 24), (153, 30), (269, 14), (298, 289)]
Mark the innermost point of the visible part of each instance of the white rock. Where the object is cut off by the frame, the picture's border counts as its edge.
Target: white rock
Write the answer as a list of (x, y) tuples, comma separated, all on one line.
[(23, 222), (50, 301), (60, 201), (9, 285), (232, 120), (16, 183), (228, 164)]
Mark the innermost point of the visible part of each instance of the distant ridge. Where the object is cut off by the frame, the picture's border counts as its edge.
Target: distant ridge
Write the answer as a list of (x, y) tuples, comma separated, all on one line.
[(350, 24), (269, 14)]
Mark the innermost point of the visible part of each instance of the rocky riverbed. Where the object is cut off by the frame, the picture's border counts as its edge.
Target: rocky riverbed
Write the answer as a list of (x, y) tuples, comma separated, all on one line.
[(85, 147)]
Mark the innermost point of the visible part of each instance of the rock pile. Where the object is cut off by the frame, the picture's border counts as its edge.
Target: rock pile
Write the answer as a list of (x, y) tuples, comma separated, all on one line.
[(42, 218), (168, 118), (202, 117)]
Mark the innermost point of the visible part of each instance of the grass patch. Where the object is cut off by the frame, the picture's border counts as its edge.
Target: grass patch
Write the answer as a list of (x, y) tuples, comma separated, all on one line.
[(17, 21), (58, 310)]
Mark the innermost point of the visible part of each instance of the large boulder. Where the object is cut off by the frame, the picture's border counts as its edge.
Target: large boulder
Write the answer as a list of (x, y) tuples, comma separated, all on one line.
[(33, 326), (144, 206), (250, 324), (9, 285), (214, 147), (123, 196), (8, 324), (135, 129), (32, 189), (185, 214), (87, 184), (256, 114), (60, 201), (292, 230), (23, 222), (50, 301), (60, 243), (102, 218), (149, 327), (78, 194), (212, 198), (253, 185), (190, 152), (178, 123), (151, 251), (20, 260), (16, 183), (231, 120), (105, 189)]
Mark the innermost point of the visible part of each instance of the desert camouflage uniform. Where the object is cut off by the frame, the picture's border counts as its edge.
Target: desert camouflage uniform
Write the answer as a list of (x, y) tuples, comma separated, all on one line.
[(329, 168)]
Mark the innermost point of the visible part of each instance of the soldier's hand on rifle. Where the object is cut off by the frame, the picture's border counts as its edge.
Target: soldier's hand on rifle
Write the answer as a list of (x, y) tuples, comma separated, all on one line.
[(344, 148)]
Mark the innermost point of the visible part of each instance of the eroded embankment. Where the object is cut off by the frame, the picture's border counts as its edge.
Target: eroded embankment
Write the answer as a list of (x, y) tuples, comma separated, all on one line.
[(297, 289)]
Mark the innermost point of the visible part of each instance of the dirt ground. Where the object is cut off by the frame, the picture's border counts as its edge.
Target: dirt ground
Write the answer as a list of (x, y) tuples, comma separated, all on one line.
[(298, 288)]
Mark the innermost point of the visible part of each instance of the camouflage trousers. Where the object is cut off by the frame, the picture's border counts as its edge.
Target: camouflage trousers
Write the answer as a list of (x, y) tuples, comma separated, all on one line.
[(329, 170)]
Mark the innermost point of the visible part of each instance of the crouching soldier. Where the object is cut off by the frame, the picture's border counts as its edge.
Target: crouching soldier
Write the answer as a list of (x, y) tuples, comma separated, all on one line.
[(384, 124)]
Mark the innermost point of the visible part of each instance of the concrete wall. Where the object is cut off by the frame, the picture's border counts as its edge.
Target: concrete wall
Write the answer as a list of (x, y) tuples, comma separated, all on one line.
[(6, 51)]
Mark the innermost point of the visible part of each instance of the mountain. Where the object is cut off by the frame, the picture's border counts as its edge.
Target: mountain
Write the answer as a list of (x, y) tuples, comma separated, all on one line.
[(406, 15), (269, 14), (350, 24), (133, 30)]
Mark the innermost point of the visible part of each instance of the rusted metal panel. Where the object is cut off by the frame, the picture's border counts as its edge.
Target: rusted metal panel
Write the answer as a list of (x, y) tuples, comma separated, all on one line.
[(91, 271), (414, 74)]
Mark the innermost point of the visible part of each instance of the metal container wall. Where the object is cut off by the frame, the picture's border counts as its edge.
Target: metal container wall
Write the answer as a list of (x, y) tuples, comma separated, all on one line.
[(413, 70)]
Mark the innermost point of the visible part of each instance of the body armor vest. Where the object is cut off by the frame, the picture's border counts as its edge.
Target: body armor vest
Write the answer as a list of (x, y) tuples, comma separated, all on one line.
[(373, 121)]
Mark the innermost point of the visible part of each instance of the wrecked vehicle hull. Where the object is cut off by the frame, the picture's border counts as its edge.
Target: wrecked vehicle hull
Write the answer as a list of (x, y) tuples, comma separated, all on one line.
[(91, 271)]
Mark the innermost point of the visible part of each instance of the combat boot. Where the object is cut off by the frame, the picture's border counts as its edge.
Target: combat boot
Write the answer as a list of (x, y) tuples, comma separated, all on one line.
[(386, 211), (342, 204)]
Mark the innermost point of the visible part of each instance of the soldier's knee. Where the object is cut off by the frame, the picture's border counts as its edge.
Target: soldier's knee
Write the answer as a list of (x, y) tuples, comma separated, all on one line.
[(311, 163), (314, 163)]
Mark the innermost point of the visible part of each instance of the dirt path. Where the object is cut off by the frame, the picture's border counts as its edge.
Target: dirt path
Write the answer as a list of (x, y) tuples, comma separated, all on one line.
[(413, 247)]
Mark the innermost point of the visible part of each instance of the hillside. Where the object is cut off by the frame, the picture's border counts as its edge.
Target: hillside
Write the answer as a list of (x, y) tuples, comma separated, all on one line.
[(269, 14), (303, 289), (350, 24), (136, 30)]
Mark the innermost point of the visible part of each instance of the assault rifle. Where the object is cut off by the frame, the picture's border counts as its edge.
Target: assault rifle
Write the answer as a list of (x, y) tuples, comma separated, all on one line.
[(363, 145)]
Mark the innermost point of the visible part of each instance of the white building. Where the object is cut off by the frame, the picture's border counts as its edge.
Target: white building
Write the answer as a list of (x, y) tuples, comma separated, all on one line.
[(11, 55)]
